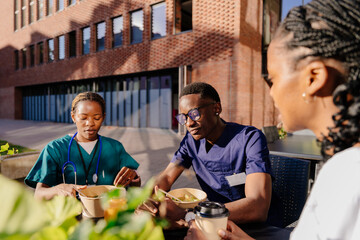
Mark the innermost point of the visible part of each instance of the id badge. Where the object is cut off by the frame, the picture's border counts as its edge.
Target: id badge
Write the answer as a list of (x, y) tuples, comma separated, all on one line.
[(236, 179)]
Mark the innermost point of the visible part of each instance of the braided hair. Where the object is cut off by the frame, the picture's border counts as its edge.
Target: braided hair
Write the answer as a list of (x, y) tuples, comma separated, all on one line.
[(331, 29), (88, 96)]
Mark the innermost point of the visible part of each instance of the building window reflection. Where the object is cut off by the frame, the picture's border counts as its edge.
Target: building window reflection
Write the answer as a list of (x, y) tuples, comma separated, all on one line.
[(117, 31), (100, 36), (51, 56), (86, 40), (137, 26), (61, 47)]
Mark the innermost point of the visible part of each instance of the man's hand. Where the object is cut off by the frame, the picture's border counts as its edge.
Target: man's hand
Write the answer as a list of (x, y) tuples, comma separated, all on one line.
[(125, 176)]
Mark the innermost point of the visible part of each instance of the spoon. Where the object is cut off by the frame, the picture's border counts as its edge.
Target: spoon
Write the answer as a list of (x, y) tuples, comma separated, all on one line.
[(172, 196)]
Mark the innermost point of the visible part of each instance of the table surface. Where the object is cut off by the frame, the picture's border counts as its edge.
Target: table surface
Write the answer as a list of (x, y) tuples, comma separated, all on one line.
[(297, 146)]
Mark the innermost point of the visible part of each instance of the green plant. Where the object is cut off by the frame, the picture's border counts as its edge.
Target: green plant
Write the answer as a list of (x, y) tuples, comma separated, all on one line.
[(282, 133), (5, 149), (6, 146), (23, 217)]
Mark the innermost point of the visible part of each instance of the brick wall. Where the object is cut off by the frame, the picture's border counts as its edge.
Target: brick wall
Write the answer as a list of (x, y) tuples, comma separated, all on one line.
[(224, 49)]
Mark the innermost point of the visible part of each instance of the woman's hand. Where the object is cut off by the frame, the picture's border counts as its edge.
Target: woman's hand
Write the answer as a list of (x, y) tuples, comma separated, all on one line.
[(127, 176), (233, 232), (194, 233), (43, 191)]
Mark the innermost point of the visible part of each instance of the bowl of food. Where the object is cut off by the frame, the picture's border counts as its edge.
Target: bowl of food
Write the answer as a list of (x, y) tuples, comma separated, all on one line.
[(91, 199), (190, 197)]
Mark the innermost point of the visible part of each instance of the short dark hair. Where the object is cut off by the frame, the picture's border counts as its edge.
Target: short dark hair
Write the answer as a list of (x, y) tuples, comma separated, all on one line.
[(204, 89)]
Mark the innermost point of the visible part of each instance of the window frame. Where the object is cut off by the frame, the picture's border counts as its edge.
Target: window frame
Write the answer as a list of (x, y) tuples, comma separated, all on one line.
[(176, 14), (97, 36), (51, 58), (151, 22), (121, 32), (40, 55), (72, 44), (61, 54), (131, 26), (82, 40)]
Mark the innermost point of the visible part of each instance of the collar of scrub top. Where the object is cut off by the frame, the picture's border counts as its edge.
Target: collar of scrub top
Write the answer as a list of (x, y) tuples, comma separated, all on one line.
[(66, 164)]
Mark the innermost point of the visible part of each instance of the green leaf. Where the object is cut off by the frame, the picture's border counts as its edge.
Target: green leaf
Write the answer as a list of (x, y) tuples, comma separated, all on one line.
[(20, 212), (136, 196), (5, 147), (50, 233), (61, 208), (83, 231)]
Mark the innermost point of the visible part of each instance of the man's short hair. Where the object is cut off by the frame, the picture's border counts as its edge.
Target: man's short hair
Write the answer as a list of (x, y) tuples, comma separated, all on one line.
[(204, 89)]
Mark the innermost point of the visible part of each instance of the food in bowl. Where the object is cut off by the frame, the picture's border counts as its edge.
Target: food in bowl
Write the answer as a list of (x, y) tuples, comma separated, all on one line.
[(190, 197)]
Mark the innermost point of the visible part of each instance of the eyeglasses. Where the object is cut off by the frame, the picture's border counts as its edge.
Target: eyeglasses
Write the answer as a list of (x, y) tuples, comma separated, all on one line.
[(193, 114)]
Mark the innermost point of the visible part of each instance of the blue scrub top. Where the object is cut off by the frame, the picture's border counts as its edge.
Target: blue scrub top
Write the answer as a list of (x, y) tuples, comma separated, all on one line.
[(239, 149), (48, 167)]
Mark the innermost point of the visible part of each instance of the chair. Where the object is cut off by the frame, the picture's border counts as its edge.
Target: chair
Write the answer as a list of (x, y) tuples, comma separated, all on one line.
[(290, 188), (271, 133)]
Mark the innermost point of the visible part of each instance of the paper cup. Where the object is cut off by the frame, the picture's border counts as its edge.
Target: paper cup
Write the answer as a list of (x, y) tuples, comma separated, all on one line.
[(210, 217), (91, 200)]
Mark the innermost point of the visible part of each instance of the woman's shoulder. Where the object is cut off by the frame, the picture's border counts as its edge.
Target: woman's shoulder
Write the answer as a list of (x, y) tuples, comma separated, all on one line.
[(111, 141), (59, 141), (343, 165)]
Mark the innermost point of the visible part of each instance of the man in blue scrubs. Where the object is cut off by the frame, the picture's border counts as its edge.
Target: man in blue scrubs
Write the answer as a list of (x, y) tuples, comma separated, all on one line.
[(231, 161)]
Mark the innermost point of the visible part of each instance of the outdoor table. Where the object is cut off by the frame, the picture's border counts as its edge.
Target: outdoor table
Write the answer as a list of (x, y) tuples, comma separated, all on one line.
[(299, 146)]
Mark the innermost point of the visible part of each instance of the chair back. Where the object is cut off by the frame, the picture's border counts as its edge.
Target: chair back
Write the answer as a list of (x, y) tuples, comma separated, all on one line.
[(290, 188), (271, 133)]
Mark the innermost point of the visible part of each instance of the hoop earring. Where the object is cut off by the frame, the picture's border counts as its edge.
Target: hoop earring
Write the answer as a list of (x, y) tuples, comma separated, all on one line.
[(307, 100)]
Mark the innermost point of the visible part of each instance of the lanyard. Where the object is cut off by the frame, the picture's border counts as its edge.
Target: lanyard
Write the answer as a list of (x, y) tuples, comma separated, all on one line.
[(83, 162)]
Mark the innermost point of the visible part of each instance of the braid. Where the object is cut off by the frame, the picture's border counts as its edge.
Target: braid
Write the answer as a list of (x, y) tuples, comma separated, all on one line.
[(331, 29), (88, 96)]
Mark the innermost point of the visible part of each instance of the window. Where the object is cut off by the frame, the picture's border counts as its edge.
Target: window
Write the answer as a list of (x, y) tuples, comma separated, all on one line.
[(23, 13), (100, 36), (71, 2), (86, 40), (183, 15), (40, 9), (117, 31), (274, 11), (51, 49), (158, 20), (41, 53), (23, 51), (61, 47), (16, 15), (16, 59), (60, 5), (49, 9), (72, 44), (32, 11), (32, 55), (137, 26)]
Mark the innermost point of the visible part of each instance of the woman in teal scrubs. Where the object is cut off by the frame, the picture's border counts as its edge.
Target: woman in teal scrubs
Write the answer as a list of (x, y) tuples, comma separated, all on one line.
[(97, 159)]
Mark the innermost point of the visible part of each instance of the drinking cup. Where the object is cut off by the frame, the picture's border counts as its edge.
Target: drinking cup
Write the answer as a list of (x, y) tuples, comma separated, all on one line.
[(210, 217)]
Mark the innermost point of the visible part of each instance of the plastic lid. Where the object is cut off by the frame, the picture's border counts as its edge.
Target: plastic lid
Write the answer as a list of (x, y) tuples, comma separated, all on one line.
[(210, 209)]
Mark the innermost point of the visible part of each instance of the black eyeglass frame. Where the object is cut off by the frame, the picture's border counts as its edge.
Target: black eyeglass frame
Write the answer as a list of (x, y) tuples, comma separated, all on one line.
[(189, 115)]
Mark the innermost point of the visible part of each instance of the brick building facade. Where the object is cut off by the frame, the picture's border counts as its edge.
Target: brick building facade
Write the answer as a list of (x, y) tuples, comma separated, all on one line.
[(222, 47)]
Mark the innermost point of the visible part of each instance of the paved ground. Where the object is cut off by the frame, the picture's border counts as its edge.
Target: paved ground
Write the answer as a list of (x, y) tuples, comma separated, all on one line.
[(152, 148)]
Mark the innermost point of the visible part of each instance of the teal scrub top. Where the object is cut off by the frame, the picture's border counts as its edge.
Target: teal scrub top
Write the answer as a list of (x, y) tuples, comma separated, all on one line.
[(48, 167)]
